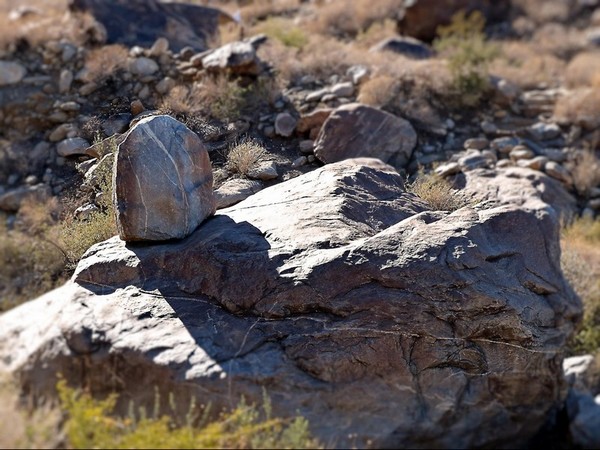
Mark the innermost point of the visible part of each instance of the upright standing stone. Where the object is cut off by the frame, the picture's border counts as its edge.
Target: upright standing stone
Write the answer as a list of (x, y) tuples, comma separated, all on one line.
[(162, 181)]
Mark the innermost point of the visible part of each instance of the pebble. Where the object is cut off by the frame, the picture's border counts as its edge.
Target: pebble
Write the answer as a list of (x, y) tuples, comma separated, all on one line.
[(307, 146), (488, 127), (343, 89), (299, 162), (265, 171), (521, 152), (143, 66), (477, 143), (64, 81), (11, 72), (558, 172), (285, 124)]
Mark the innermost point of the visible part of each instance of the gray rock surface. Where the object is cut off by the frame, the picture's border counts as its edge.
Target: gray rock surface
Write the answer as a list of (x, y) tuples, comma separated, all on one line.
[(342, 296), (74, 147), (162, 181), (518, 186), (238, 57), (356, 130)]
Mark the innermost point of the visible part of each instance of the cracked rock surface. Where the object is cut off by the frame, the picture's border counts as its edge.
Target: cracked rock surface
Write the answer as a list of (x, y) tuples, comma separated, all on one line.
[(338, 292)]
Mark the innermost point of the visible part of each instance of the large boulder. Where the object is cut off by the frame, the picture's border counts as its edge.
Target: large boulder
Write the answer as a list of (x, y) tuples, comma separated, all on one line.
[(142, 22), (351, 303), (162, 181), (357, 130)]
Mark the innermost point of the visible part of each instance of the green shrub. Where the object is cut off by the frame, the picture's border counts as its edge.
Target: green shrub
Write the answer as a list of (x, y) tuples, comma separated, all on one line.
[(437, 192), (284, 31), (90, 424), (75, 235), (469, 54)]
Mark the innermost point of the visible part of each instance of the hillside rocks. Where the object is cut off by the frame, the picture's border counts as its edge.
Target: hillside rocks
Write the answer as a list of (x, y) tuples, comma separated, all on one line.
[(352, 304), (422, 17), (404, 45), (142, 22), (162, 181), (357, 130)]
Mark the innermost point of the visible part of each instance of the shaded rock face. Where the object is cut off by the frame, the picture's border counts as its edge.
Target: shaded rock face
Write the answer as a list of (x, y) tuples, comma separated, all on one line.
[(162, 181), (422, 17), (357, 130), (406, 46), (342, 296), (141, 22)]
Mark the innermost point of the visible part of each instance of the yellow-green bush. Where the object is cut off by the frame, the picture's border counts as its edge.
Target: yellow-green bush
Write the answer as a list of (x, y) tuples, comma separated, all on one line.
[(90, 424), (469, 54)]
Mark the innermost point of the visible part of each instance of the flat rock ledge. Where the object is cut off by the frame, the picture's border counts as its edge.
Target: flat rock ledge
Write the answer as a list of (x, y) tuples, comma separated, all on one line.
[(382, 322)]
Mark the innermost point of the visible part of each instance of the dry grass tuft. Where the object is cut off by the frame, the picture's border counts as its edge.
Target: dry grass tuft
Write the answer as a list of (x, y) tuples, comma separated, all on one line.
[(437, 192), (527, 66), (586, 172), (348, 19), (583, 70), (580, 262), (22, 428), (581, 106), (104, 62), (245, 156)]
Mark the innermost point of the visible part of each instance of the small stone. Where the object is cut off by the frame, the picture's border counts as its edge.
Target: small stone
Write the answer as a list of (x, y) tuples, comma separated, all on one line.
[(594, 204), (477, 143), (504, 144), (160, 47), (299, 162), (269, 131), (144, 93), (143, 66), (31, 180), (72, 147), (70, 106), (544, 131), (60, 132), (307, 146), (488, 127), (69, 51), (316, 96), (64, 81), (504, 163), (11, 72), (285, 124), (311, 159), (537, 163), (445, 170), (85, 212), (521, 152), (343, 89), (557, 171), (329, 98), (137, 107), (234, 191), (473, 161), (87, 89), (554, 154), (265, 171), (165, 85), (358, 73)]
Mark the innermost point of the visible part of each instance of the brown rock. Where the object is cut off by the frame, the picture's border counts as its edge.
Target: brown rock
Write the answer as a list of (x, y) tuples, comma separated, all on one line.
[(162, 181), (357, 130)]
